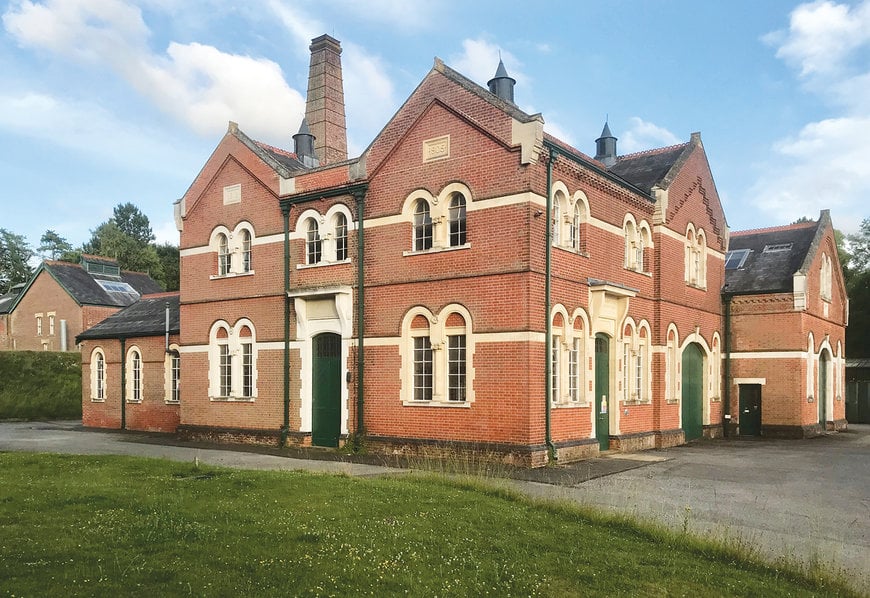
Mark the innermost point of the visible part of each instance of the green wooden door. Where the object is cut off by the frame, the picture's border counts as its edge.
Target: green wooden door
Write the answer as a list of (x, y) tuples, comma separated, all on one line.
[(750, 409), (602, 391), (693, 392), (822, 395), (326, 390)]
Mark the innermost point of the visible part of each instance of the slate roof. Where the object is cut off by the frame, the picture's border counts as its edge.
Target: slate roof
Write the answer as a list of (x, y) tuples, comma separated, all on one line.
[(645, 169), (770, 272), (84, 288), (146, 317), (283, 157), (8, 300)]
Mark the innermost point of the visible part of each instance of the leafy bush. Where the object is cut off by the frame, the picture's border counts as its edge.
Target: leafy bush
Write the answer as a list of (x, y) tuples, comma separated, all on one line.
[(40, 385)]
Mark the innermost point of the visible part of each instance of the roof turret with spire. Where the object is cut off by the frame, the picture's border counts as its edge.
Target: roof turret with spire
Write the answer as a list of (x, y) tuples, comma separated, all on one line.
[(502, 85), (605, 147)]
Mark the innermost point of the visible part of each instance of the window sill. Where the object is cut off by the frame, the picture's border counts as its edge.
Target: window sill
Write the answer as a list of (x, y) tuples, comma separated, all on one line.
[(321, 264), (436, 250), (232, 399), (696, 286), (672, 401), (641, 272), (638, 403), (98, 400), (231, 275), (447, 404), (134, 401), (168, 402), (571, 250), (569, 405)]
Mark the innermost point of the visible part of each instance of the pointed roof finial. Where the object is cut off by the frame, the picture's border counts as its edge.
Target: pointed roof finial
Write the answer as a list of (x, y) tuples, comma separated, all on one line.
[(502, 85)]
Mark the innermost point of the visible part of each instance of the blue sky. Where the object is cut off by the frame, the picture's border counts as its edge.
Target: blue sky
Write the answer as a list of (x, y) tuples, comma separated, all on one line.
[(108, 101)]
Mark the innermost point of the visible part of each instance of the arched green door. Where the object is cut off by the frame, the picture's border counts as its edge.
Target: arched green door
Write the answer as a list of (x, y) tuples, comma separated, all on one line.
[(326, 390), (822, 395), (602, 391), (693, 392)]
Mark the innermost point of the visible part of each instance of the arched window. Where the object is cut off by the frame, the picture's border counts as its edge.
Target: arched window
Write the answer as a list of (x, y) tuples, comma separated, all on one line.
[(134, 375), (423, 366), (247, 354), (556, 359), (575, 227), (225, 365), (246, 250), (233, 361), (457, 365), (98, 375), (696, 258), (340, 237), (422, 226), (825, 277), (457, 220), (173, 375), (436, 357), (223, 255), (313, 244), (633, 246), (556, 224)]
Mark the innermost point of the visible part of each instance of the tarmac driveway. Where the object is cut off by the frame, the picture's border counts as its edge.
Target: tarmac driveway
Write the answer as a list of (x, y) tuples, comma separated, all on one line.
[(804, 499)]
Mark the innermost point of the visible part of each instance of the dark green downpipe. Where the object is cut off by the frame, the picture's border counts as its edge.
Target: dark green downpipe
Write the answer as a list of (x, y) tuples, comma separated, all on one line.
[(360, 306), (726, 398), (548, 335), (285, 427), (123, 383)]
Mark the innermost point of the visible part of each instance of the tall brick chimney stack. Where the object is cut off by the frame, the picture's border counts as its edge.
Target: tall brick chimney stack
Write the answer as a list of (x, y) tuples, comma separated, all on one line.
[(325, 105)]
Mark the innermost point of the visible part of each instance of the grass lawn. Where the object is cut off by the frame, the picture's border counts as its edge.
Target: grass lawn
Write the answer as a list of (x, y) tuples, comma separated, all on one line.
[(112, 526)]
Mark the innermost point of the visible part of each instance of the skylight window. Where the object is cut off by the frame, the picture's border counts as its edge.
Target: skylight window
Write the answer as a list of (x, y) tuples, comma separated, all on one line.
[(777, 248), (734, 259), (111, 286)]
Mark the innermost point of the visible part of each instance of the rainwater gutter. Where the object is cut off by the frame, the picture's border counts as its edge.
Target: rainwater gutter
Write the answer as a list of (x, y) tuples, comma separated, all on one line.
[(360, 317), (123, 383), (552, 455), (285, 426)]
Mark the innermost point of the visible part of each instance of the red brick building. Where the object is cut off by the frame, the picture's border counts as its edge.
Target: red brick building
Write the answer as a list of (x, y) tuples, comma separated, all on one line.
[(469, 283), (61, 300), (786, 310), (131, 369)]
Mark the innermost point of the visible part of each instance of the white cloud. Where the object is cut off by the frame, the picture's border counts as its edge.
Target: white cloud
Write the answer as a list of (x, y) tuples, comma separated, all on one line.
[(395, 13), (827, 163), (91, 130), (556, 130), (199, 85), (479, 60), (642, 135), (821, 36), (302, 27), (165, 232), (369, 94)]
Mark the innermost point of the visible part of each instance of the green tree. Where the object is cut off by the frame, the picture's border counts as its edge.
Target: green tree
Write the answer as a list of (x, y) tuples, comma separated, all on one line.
[(52, 245), (169, 258), (133, 223), (108, 240), (857, 274), (15, 253)]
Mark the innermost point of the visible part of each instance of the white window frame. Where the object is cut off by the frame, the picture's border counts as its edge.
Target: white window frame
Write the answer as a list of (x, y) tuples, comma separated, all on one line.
[(438, 333), (51, 323), (695, 247), (328, 230), (98, 385), (234, 350), (236, 257), (135, 391), (441, 217), (569, 372), (172, 375), (39, 324)]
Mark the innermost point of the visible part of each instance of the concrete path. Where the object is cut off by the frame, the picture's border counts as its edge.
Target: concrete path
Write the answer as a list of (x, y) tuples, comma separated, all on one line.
[(808, 500)]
